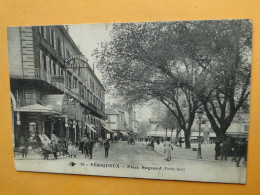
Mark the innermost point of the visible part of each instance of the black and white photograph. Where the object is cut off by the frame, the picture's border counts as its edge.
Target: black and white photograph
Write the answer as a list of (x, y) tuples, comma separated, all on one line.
[(157, 100)]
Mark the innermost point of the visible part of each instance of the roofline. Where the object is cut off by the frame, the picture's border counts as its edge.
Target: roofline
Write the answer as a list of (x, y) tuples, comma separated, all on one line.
[(66, 33)]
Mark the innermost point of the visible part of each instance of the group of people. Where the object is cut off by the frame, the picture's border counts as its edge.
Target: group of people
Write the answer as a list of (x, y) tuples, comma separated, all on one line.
[(64, 147), (238, 149)]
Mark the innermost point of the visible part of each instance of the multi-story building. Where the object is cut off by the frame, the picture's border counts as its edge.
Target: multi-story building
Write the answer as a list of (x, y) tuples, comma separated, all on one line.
[(121, 120), (53, 88)]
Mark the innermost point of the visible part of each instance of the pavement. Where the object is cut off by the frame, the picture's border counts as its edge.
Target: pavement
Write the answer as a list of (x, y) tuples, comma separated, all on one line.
[(136, 161), (207, 152)]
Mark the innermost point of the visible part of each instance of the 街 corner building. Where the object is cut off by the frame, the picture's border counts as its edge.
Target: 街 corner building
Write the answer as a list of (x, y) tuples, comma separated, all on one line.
[(54, 91)]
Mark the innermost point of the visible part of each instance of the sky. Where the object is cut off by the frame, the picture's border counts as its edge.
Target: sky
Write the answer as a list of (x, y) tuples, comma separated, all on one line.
[(88, 37)]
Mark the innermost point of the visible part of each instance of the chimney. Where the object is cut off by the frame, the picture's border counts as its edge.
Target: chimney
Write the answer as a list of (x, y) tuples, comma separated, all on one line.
[(67, 27)]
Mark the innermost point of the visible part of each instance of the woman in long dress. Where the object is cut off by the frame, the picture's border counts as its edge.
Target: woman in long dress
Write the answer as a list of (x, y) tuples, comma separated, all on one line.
[(167, 150)]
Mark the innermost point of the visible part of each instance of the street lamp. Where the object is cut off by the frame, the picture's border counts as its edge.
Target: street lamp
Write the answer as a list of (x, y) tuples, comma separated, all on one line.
[(199, 112)]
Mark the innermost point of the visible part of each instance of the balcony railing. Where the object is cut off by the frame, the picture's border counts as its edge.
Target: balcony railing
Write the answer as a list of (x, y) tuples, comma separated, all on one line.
[(92, 106), (38, 74), (25, 73)]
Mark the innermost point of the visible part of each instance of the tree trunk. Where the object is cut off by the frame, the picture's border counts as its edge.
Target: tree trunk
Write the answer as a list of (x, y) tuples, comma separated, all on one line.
[(187, 139), (220, 134)]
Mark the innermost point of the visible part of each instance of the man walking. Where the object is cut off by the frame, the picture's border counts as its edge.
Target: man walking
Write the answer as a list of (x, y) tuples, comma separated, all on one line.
[(241, 152), (24, 147), (217, 149), (85, 147), (54, 148), (106, 146), (225, 149), (90, 148)]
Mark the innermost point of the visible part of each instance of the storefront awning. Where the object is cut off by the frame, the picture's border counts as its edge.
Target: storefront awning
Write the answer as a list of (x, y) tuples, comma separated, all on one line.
[(62, 104), (124, 133), (106, 128), (91, 128), (44, 139), (37, 108)]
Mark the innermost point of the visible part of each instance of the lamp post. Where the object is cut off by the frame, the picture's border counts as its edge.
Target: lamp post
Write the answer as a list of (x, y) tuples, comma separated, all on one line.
[(199, 112), (67, 128)]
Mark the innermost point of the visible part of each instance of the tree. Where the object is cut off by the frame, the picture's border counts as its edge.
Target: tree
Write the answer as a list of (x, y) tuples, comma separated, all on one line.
[(177, 62), (169, 122), (147, 61), (143, 127), (229, 71)]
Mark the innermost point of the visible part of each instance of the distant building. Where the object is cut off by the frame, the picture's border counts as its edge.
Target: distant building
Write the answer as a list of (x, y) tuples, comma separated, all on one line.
[(121, 120)]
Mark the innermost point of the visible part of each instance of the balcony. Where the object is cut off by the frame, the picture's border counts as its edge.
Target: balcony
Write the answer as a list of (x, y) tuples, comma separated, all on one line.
[(25, 73), (92, 106), (38, 74), (58, 82), (71, 92)]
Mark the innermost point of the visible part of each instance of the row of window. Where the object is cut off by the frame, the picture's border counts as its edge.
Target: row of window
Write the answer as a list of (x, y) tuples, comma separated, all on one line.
[(73, 83), (49, 34), (50, 66)]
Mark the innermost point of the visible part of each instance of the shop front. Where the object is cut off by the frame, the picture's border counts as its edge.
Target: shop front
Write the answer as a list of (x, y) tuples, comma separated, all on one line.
[(108, 133), (71, 118), (31, 121)]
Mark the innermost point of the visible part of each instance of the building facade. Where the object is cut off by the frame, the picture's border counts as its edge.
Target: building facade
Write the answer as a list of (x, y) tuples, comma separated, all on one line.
[(122, 121), (54, 91)]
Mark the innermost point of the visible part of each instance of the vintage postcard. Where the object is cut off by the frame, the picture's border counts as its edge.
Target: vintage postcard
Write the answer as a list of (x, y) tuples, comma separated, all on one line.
[(157, 100)]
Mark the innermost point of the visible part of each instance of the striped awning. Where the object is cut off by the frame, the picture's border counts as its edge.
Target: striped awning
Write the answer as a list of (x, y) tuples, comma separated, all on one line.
[(106, 128), (37, 108), (91, 128), (124, 133)]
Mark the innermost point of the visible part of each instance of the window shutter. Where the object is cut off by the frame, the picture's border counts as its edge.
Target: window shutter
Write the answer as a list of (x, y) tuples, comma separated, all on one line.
[(50, 36), (41, 60), (45, 33), (57, 70), (48, 64), (51, 67), (54, 38), (61, 48)]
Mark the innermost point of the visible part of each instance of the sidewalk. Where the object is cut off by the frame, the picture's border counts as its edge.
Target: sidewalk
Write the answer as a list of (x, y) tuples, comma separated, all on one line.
[(207, 152)]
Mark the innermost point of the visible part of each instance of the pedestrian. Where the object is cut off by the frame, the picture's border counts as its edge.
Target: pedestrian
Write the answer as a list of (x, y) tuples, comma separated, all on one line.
[(241, 152), (54, 148), (106, 146), (90, 148), (60, 148), (152, 143), (85, 147), (158, 141), (225, 150), (234, 149), (75, 151), (217, 149), (180, 142), (82, 146), (64, 147), (167, 149), (70, 149), (23, 147), (46, 149)]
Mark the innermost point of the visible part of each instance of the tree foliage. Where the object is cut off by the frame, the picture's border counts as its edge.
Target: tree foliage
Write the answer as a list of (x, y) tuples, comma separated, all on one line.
[(184, 65)]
